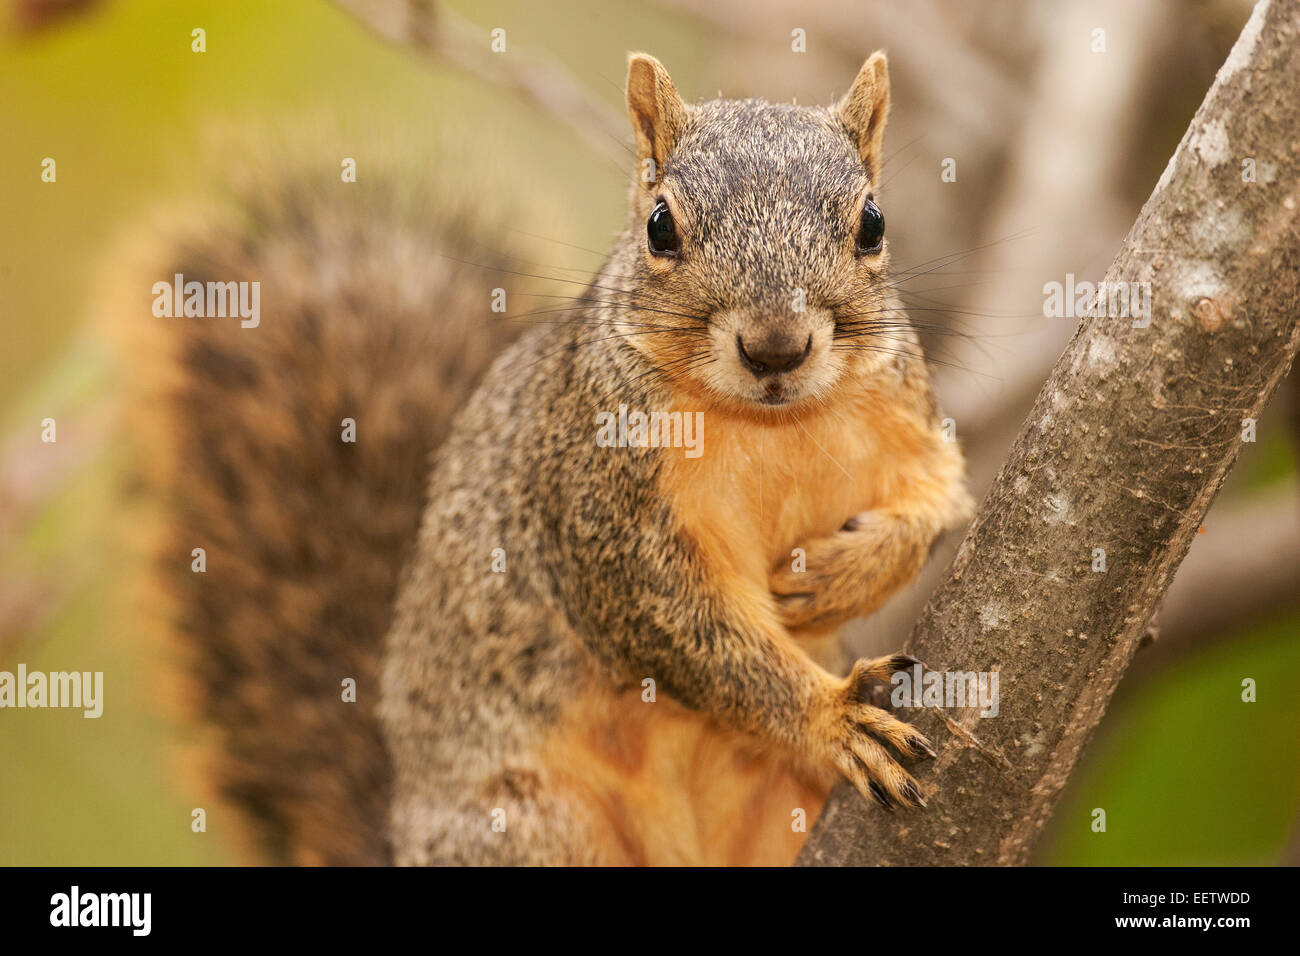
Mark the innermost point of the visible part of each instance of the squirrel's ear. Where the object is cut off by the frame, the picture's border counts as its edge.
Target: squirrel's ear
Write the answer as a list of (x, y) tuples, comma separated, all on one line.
[(657, 113), (864, 109)]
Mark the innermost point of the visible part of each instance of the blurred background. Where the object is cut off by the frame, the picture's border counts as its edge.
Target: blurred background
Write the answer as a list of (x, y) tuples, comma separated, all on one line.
[(1056, 138)]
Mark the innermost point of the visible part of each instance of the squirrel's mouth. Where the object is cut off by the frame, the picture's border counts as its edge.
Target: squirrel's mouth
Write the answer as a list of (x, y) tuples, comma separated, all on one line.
[(767, 366)]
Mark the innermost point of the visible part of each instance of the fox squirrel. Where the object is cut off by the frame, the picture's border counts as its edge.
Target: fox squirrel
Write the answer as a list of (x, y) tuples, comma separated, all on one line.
[(573, 653)]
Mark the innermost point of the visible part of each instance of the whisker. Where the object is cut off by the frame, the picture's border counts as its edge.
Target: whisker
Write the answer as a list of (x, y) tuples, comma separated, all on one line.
[(613, 304), (560, 242), (911, 272)]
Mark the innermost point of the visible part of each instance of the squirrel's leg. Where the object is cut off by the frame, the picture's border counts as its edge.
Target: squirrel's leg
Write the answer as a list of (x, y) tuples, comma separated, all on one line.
[(852, 572), (732, 658)]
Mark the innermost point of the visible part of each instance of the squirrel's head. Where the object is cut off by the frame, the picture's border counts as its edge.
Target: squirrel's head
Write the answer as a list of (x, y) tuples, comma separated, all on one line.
[(755, 261)]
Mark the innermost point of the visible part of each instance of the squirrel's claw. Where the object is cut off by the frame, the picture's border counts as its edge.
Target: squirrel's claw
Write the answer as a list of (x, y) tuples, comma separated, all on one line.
[(858, 736)]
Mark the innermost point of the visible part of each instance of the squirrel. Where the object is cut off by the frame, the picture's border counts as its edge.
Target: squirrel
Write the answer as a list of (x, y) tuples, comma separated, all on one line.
[(564, 652)]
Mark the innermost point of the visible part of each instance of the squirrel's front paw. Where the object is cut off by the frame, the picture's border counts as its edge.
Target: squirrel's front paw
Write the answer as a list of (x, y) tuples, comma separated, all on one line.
[(850, 573), (854, 735)]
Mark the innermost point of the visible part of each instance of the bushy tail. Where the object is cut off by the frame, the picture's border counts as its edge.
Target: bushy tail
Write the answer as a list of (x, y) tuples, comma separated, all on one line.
[(368, 328)]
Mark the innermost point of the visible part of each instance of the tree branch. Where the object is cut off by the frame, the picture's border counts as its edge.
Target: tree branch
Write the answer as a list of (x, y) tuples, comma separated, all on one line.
[(433, 30), (1125, 448)]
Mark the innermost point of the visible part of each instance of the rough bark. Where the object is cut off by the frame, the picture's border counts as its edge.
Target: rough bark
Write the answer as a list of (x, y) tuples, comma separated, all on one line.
[(1125, 448)]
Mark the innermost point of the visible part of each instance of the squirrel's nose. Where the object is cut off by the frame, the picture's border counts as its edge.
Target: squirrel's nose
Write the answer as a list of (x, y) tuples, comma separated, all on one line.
[(773, 354)]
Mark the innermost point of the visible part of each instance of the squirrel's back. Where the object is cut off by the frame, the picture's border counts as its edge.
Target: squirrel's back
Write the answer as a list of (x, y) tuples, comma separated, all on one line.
[(292, 447)]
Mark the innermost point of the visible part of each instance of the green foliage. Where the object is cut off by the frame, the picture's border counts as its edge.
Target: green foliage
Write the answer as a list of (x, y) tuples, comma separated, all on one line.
[(1187, 772)]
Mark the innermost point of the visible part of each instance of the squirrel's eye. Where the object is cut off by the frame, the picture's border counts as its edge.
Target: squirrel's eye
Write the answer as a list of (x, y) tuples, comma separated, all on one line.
[(871, 232), (662, 231)]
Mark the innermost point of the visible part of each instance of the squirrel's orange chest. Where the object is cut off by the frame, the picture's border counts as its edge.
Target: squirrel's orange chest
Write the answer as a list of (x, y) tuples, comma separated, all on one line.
[(759, 489), (670, 785)]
